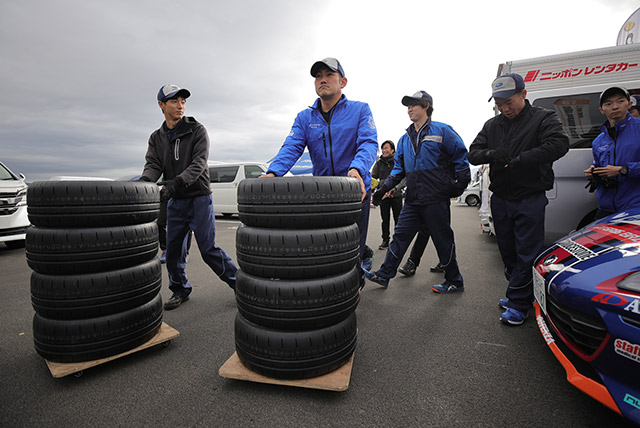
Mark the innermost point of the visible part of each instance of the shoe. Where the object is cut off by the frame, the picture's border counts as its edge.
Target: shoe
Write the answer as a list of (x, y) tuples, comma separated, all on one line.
[(513, 316), (175, 301), (409, 268), (503, 303), (374, 277), (163, 256), (384, 245), (446, 288), (367, 259), (437, 268)]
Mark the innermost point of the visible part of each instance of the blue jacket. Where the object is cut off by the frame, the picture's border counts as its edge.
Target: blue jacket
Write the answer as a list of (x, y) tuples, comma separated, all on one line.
[(434, 161), (349, 140), (623, 149)]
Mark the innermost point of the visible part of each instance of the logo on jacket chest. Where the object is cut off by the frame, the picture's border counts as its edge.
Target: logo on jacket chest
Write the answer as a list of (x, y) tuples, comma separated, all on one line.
[(435, 138)]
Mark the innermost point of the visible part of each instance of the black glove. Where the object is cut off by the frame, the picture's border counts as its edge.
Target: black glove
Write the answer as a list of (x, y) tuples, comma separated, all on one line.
[(169, 188), (513, 162), (500, 156), (592, 185), (458, 189), (376, 197)]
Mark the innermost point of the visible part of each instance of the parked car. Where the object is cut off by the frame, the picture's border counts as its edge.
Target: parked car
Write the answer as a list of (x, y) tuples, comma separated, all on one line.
[(224, 178), (13, 208), (471, 195), (587, 289)]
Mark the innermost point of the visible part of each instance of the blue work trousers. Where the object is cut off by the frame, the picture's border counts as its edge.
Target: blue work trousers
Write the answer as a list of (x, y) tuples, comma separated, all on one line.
[(437, 218), (519, 227), (194, 214)]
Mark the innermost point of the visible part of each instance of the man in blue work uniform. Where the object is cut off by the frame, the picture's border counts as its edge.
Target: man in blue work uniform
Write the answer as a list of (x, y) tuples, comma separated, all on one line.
[(179, 151), (341, 138), (615, 172), (520, 145), (433, 158)]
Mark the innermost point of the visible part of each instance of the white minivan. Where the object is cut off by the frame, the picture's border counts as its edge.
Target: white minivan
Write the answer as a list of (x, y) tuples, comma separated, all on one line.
[(224, 178), (14, 220)]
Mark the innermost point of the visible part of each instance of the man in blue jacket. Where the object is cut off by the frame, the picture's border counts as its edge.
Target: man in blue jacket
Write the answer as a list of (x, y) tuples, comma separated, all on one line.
[(433, 158), (340, 135), (615, 172)]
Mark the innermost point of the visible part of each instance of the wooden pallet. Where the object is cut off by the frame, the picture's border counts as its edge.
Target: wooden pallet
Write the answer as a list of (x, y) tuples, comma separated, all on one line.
[(163, 336), (337, 380)]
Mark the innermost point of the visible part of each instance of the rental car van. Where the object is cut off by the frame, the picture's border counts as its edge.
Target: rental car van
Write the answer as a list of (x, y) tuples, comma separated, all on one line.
[(571, 84), (13, 208), (224, 178)]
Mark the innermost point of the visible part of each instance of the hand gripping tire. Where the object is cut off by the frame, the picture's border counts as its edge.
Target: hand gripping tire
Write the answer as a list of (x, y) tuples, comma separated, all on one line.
[(66, 297), (297, 305), (295, 354), (94, 338), (92, 203), (299, 202), (91, 250)]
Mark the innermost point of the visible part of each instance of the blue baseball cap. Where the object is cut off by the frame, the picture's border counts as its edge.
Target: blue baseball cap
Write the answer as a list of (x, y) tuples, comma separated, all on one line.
[(331, 63), (506, 85), (169, 91), (417, 98)]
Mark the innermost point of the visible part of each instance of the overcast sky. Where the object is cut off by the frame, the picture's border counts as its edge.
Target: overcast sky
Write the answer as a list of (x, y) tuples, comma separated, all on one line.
[(80, 78)]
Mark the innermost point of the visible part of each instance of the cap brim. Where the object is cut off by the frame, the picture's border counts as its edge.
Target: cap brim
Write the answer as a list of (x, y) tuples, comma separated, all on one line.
[(409, 101), (503, 94)]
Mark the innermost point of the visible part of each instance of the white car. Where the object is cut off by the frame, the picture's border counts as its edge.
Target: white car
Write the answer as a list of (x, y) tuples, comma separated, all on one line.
[(14, 220), (471, 195), (224, 178)]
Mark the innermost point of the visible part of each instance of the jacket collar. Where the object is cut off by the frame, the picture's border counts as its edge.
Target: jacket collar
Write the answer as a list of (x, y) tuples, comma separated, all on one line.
[(620, 125), (316, 105), (503, 119)]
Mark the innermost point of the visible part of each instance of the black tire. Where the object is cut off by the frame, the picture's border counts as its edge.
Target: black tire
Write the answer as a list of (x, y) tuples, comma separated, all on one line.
[(92, 203), (298, 267), (297, 305), (79, 251), (299, 202), (92, 295), (472, 200), (69, 341), (295, 354)]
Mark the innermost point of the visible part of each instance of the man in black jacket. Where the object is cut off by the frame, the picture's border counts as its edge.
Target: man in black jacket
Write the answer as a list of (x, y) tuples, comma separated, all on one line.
[(381, 170), (520, 145), (179, 150)]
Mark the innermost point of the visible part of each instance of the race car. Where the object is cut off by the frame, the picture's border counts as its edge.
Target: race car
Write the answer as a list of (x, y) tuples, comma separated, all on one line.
[(587, 290)]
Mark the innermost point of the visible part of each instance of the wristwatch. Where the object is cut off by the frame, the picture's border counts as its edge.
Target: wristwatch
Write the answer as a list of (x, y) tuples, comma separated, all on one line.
[(624, 170)]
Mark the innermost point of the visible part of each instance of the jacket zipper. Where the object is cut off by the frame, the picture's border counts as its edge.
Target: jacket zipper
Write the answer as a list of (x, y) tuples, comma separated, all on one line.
[(176, 153)]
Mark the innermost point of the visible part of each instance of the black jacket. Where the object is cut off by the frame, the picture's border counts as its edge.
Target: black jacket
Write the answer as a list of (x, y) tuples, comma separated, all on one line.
[(533, 140), (184, 158), (381, 170)]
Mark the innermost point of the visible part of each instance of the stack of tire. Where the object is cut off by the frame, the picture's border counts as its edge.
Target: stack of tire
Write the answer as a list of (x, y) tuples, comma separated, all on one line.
[(96, 278), (299, 282)]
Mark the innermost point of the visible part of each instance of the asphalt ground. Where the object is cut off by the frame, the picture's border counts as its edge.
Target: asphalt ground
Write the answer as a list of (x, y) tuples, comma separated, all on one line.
[(423, 359)]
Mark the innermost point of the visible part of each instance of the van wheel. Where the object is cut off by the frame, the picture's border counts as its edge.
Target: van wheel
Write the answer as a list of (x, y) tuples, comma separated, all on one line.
[(472, 200), (295, 354), (15, 244), (299, 202), (92, 203), (87, 339), (91, 250)]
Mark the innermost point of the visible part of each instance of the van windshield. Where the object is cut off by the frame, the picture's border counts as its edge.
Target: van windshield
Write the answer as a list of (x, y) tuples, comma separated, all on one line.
[(580, 116), (5, 174)]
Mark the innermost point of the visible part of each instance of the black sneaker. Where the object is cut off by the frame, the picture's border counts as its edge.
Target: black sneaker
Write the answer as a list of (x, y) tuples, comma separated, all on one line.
[(384, 245), (409, 268), (175, 301), (437, 268)]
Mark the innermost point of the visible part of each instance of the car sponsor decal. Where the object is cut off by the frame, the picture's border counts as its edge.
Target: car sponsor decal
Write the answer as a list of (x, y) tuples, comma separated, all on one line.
[(627, 349), (626, 232), (578, 250), (631, 400), (546, 334)]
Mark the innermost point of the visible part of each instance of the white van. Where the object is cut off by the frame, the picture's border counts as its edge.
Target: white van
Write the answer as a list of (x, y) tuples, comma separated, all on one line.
[(571, 84), (224, 178), (14, 220)]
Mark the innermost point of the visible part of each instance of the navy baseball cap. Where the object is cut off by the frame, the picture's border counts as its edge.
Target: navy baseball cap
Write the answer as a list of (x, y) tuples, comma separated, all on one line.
[(332, 63), (409, 100), (170, 91), (506, 85), (609, 92), (635, 102)]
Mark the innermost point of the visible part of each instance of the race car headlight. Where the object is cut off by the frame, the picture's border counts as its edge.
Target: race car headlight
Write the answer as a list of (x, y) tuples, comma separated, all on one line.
[(630, 283)]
